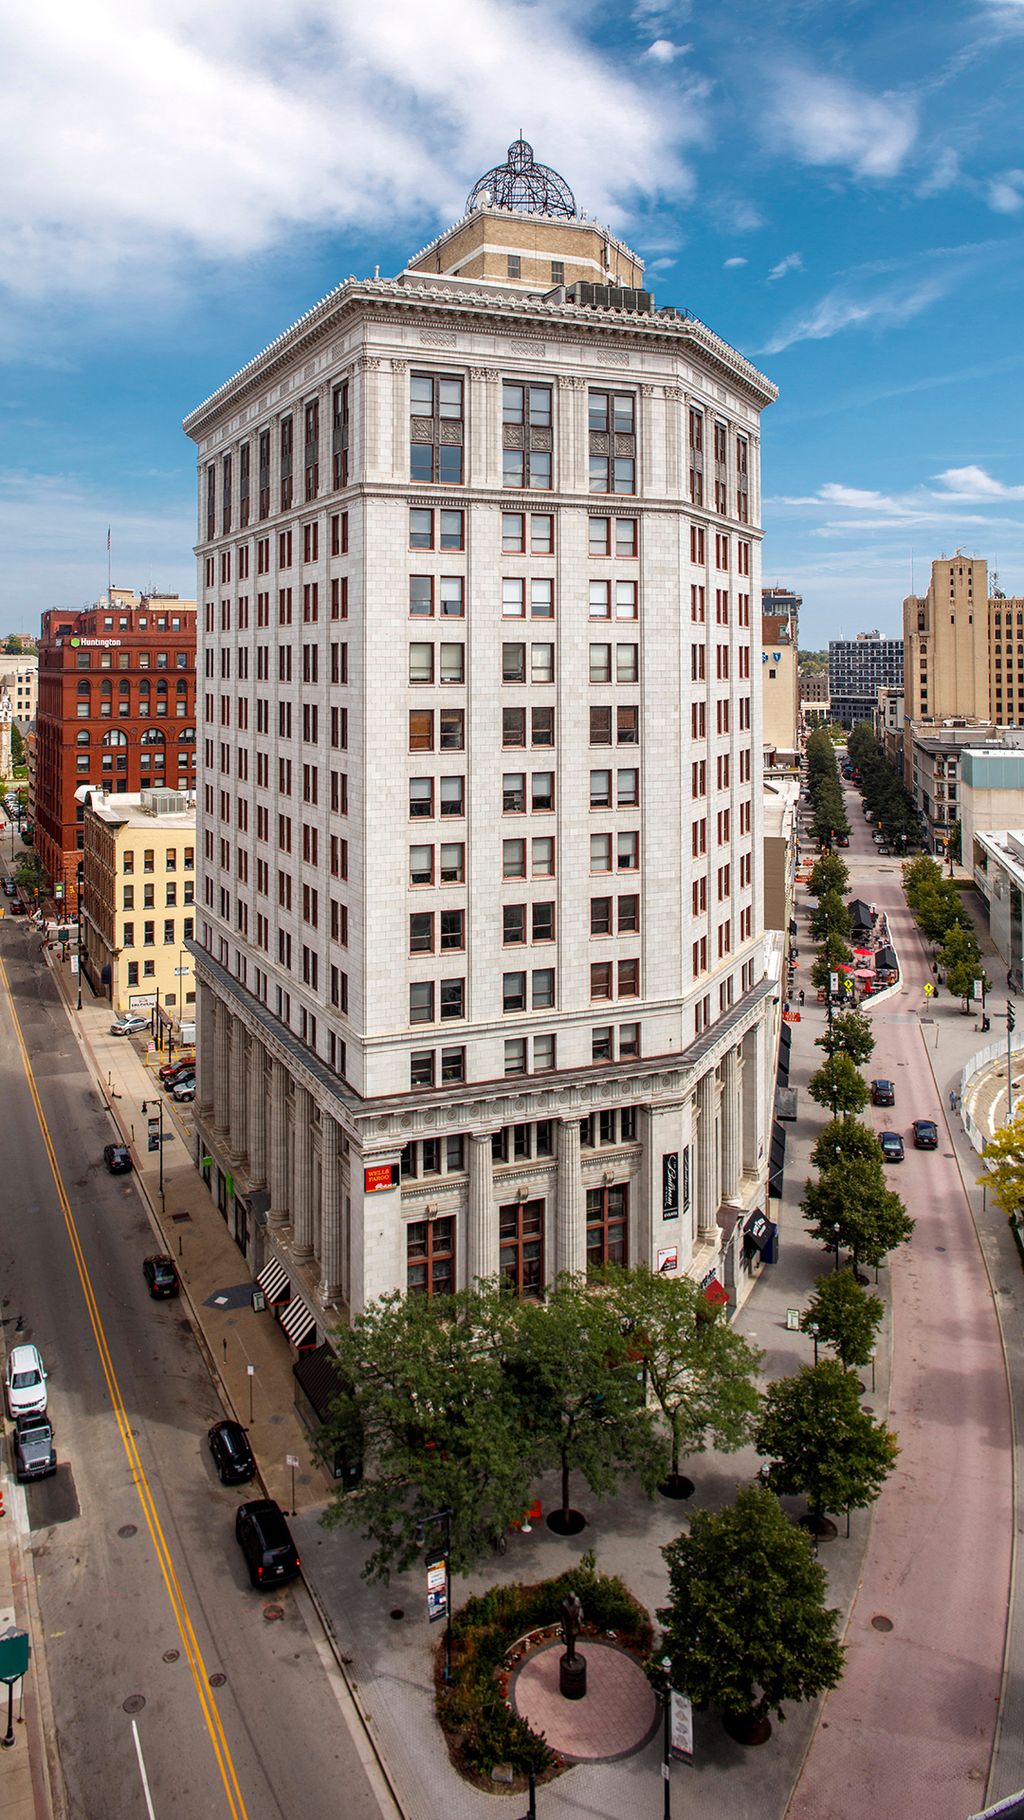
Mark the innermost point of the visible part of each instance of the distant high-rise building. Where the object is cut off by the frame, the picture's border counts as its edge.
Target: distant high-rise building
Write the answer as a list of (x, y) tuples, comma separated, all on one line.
[(479, 948), (117, 688), (964, 646), (857, 669)]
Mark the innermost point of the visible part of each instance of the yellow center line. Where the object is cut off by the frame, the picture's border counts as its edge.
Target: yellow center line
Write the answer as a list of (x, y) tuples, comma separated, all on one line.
[(179, 1607)]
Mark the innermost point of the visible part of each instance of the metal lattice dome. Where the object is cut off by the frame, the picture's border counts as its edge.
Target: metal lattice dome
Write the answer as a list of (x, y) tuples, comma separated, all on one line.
[(520, 183)]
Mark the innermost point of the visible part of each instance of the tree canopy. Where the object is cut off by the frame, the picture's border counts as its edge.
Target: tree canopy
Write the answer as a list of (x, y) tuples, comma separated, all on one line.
[(829, 873), (844, 1140), (830, 917), (820, 1441), (839, 1085), (850, 1033), (871, 1218), (845, 1315), (699, 1368), (747, 1627), (1004, 1160)]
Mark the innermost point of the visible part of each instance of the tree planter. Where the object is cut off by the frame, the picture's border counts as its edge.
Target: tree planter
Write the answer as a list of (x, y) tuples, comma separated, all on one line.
[(677, 1485), (747, 1728), (566, 1522)]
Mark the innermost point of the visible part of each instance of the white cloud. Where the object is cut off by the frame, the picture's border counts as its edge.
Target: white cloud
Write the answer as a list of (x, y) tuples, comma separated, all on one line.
[(664, 51), (137, 136), (944, 173), (793, 262), (733, 264), (974, 483), (823, 121), (1006, 193), (846, 308)]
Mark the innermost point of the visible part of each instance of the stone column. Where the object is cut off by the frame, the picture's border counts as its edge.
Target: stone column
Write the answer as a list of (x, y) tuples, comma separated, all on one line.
[(482, 1237), (278, 1212), (332, 1250), (206, 1006), (752, 1144), (731, 1134), (257, 1115), (706, 1201), (570, 1224), (238, 1143), (222, 1069), (302, 1211)]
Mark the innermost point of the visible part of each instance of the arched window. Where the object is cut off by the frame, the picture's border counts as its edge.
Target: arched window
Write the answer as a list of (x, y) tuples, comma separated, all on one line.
[(115, 737), (82, 738), (153, 736)]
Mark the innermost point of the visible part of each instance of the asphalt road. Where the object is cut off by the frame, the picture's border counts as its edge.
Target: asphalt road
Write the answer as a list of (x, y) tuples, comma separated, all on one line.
[(142, 1590)]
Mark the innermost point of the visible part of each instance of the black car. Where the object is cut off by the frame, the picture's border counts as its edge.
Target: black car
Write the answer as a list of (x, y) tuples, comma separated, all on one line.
[(892, 1146), (926, 1134), (883, 1093), (161, 1275), (118, 1158), (32, 1444), (266, 1542), (231, 1452)]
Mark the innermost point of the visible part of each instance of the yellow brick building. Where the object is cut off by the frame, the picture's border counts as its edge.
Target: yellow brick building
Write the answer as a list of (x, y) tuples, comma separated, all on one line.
[(139, 868)]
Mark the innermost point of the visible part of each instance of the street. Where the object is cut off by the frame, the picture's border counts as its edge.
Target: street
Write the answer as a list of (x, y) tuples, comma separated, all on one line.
[(147, 1615)]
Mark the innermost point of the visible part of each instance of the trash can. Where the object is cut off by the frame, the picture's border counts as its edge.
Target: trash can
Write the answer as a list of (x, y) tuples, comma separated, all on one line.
[(986, 1023)]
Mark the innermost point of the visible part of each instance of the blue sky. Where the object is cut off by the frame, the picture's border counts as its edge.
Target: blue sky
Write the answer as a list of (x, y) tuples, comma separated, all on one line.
[(838, 189)]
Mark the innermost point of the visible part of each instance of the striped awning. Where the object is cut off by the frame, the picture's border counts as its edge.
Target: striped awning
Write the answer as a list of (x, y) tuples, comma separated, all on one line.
[(299, 1323), (274, 1281)]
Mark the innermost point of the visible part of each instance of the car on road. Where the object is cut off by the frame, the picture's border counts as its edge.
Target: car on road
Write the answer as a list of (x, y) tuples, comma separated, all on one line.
[(232, 1455), (161, 1275), (32, 1446), (892, 1146), (185, 1090), (17, 907), (842, 840), (129, 1025), (24, 1382), (118, 1158), (926, 1134), (883, 1093), (266, 1542)]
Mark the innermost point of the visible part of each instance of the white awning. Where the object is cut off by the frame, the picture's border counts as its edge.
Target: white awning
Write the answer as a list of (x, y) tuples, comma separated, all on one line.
[(274, 1281), (299, 1322)]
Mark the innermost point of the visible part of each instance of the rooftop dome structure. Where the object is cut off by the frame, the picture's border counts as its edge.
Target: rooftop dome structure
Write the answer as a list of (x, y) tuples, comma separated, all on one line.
[(520, 183)]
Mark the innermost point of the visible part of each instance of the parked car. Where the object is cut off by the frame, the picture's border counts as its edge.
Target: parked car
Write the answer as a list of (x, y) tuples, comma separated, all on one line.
[(185, 1064), (118, 1158), (892, 1146), (129, 1025), (883, 1093), (842, 840), (161, 1275), (187, 1072), (926, 1134), (232, 1455), (185, 1090), (17, 907), (266, 1542), (25, 1382), (32, 1446)]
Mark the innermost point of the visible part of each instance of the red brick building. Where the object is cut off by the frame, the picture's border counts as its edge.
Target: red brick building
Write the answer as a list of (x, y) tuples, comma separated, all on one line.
[(117, 708)]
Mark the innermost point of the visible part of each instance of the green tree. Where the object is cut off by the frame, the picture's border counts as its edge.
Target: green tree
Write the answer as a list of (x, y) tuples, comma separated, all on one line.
[(1004, 1165), (960, 960), (839, 1084), (30, 875), (431, 1414), (17, 746), (747, 1627), (829, 873), (871, 1219), (821, 1443), (567, 1364), (699, 1369), (850, 1033), (845, 1315), (843, 1141), (830, 917), (955, 840), (833, 954)]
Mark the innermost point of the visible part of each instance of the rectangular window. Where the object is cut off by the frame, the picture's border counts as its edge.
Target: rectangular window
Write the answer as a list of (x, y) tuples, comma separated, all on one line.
[(430, 1257), (436, 429)]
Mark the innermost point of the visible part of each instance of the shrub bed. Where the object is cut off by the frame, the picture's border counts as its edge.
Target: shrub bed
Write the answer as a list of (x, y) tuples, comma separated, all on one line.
[(490, 1636)]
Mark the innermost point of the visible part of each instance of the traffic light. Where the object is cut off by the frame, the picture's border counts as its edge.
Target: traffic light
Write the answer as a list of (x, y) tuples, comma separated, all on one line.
[(1011, 1016)]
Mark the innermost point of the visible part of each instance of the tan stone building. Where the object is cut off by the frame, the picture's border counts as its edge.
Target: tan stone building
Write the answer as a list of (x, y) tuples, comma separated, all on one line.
[(780, 688), (139, 862), (964, 648), (20, 677)]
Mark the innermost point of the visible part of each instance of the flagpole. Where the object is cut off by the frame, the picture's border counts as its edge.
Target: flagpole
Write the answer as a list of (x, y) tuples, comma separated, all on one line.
[(110, 597)]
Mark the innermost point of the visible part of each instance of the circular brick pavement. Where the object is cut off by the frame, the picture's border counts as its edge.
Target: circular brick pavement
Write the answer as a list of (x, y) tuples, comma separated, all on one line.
[(617, 1715)]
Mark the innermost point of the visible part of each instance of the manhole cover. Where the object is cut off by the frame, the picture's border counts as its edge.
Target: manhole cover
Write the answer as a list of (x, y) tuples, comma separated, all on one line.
[(128, 1529), (134, 1703), (940, 1247), (273, 1612), (185, 1326), (217, 1680), (396, 1612), (881, 1623), (171, 1655)]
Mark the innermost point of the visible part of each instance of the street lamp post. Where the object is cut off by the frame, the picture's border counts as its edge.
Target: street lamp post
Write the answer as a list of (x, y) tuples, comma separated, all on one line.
[(814, 1331), (160, 1113), (445, 1517), (666, 1766), (837, 1229), (79, 908)]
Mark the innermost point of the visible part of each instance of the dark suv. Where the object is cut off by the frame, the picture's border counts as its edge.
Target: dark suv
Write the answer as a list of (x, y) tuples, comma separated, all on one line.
[(231, 1452), (266, 1542), (883, 1093), (34, 1452)]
